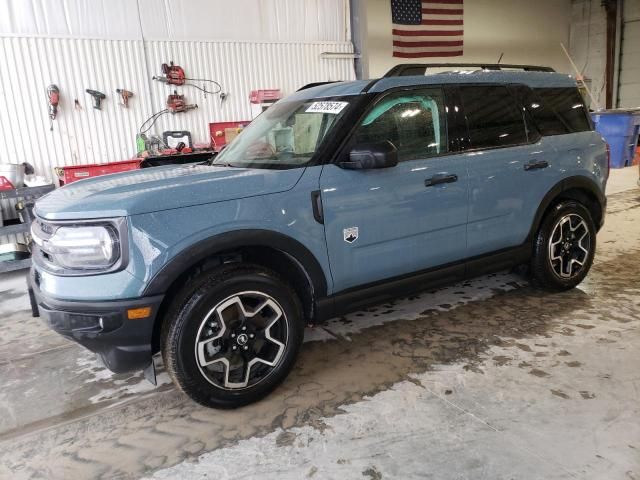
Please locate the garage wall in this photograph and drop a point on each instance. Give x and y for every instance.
(629, 80)
(588, 40)
(527, 32)
(109, 44)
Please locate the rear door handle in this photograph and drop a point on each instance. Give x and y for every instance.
(440, 178)
(536, 165)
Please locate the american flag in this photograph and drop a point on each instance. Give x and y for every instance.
(431, 28)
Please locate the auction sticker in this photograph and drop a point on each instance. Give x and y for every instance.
(326, 107)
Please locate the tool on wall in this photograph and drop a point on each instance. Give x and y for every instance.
(76, 105)
(175, 104)
(125, 95)
(174, 75)
(97, 98)
(53, 97)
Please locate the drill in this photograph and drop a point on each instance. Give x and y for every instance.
(125, 95)
(97, 98)
(53, 94)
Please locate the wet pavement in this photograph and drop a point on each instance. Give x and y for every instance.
(484, 379)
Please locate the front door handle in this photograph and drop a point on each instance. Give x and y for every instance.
(536, 165)
(440, 178)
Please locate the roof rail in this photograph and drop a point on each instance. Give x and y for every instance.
(421, 68)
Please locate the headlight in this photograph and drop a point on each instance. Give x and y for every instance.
(77, 247)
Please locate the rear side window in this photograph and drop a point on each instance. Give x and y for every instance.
(557, 111)
(414, 121)
(493, 118)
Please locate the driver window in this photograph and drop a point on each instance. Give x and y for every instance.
(414, 121)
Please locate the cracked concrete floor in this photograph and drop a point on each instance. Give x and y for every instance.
(488, 379)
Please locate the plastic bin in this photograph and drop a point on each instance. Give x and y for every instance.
(620, 128)
(78, 172)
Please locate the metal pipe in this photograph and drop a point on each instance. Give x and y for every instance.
(358, 30)
(617, 54)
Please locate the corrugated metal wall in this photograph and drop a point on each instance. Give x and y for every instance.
(239, 67)
(86, 135)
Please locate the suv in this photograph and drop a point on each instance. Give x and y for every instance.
(338, 196)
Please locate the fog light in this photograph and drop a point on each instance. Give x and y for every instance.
(138, 313)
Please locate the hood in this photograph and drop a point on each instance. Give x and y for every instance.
(160, 188)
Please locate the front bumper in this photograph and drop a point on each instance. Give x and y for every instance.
(103, 327)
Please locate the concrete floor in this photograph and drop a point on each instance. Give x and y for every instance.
(489, 379)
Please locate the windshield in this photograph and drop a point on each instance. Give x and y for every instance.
(287, 135)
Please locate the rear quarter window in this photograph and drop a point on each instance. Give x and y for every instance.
(557, 111)
(493, 116)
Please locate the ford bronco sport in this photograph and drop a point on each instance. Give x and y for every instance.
(339, 195)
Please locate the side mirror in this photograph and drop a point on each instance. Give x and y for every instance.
(366, 156)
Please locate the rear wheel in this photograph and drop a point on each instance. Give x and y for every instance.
(564, 247)
(232, 336)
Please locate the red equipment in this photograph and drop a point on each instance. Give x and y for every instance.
(72, 173)
(176, 103)
(53, 96)
(125, 95)
(223, 132)
(173, 74)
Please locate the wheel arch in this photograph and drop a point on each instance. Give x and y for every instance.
(286, 256)
(579, 188)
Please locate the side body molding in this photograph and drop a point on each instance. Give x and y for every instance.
(233, 241)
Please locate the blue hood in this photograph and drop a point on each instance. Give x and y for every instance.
(161, 188)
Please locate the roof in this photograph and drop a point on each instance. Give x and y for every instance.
(532, 79)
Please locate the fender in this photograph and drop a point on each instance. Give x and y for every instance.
(233, 240)
(569, 183)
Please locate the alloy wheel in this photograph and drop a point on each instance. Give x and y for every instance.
(241, 340)
(569, 245)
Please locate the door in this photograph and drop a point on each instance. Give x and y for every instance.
(387, 222)
(510, 168)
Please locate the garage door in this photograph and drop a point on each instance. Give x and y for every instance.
(629, 83)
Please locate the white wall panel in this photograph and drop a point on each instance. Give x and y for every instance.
(91, 136)
(629, 83)
(260, 20)
(79, 136)
(587, 44)
(239, 67)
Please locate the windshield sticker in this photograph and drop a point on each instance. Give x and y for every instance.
(326, 107)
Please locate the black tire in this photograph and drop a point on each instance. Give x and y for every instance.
(187, 317)
(545, 271)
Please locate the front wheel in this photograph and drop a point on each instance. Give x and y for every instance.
(232, 335)
(564, 247)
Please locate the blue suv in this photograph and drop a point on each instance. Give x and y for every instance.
(339, 195)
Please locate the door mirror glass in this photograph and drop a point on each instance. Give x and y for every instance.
(365, 156)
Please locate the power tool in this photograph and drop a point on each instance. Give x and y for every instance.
(176, 103)
(97, 98)
(125, 95)
(174, 75)
(53, 96)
